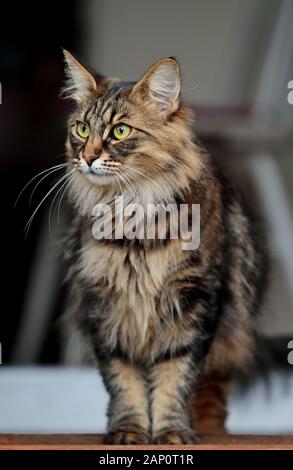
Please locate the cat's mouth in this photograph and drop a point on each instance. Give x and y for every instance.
(99, 172)
(98, 175)
(99, 179)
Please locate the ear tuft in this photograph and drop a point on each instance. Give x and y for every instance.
(78, 79)
(164, 85)
(161, 86)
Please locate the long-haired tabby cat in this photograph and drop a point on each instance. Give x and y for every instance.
(169, 327)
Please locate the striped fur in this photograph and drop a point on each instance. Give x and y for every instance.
(163, 323)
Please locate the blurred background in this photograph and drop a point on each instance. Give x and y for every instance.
(237, 60)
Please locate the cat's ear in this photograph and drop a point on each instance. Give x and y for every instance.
(160, 86)
(79, 80)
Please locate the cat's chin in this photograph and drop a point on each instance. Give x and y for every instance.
(99, 180)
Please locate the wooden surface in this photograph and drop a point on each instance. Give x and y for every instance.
(94, 442)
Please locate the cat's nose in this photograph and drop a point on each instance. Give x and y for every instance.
(90, 159)
(92, 151)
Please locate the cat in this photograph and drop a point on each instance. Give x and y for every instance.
(169, 328)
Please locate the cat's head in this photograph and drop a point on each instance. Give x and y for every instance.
(126, 134)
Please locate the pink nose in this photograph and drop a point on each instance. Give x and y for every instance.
(92, 151)
(90, 158)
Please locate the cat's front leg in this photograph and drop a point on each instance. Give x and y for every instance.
(128, 415)
(172, 383)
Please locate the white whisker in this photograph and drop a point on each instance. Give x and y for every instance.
(39, 182)
(28, 224)
(68, 174)
(57, 167)
(63, 193)
(143, 175)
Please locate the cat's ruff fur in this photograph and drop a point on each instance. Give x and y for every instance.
(169, 328)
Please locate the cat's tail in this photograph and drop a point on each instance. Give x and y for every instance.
(272, 354)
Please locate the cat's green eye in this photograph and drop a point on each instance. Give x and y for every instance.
(82, 129)
(121, 131)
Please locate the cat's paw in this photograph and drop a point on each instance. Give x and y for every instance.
(127, 436)
(176, 437)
